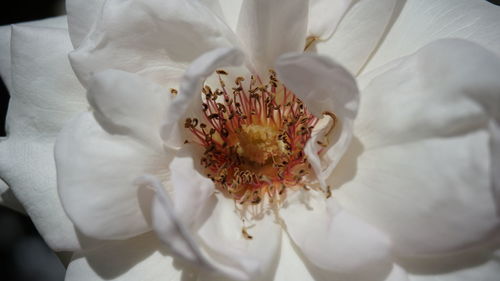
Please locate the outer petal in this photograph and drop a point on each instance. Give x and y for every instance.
(5, 66)
(359, 33)
(488, 271)
(270, 28)
(335, 241)
(141, 258)
(257, 257)
(194, 207)
(126, 104)
(95, 175)
(82, 15)
(325, 15)
(150, 37)
(323, 86)
(44, 95)
(417, 173)
(422, 22)
(189, 99)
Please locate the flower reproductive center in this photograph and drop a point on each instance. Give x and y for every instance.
(253, 135)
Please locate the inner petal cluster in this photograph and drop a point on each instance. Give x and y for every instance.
(253, 135)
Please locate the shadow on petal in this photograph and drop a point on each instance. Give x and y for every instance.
(467, 258)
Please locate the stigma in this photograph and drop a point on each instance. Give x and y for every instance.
(253, 136)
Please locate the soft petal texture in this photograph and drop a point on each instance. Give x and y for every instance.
(262, 25)
(230, 10)
(423, 21)
(325, 15)
(44, 95)
(334, 240)
(98, 195)
(360, 32)
(193, 223)
(82, 15)
(429, 164)
(488, 271)
(5, 66)
(256, 257)
(141, 258)
(454, 82)
(126, 104)
(155, 38)
(189, 99)
(323, 86)
(432, 196)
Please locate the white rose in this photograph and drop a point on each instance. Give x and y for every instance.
(412, 176)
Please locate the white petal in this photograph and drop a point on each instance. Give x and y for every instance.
(231, 11)
(335, 241)
(141, 258)
(325, 15)
(270, 28)
(44, 95)
(292, 266)
(126, 104)
(397, 274)
(323, 86)
(82, 15)
(360, 32)
(5, 66)
(432, 197)
(488, 271)
(448, 88)
(149, 37)
(189, 99)
(95, 175)
(423, 21)
(254, 258)
(194, 207)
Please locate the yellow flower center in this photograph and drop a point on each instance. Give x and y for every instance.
(253, 137)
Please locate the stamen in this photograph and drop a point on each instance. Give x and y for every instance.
(254, 135)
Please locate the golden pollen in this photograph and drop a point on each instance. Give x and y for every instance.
(259, 143)
(253, 135)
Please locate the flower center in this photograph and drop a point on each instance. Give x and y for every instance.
(253, 135)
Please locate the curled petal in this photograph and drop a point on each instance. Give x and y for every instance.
(189, 99)
(324, 87)
(176, 222)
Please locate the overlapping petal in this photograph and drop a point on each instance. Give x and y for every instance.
(426, 174)
(97, 194)
(44, 95)
(261, 27)
(82, 15)
(334, 240)
(422, 22)
(155, 38)
(189, 100)
(324, 87)
(358, 35)
(140, 258)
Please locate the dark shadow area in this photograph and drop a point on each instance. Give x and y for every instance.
(24, 256)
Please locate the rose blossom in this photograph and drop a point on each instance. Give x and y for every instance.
(416, 181)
